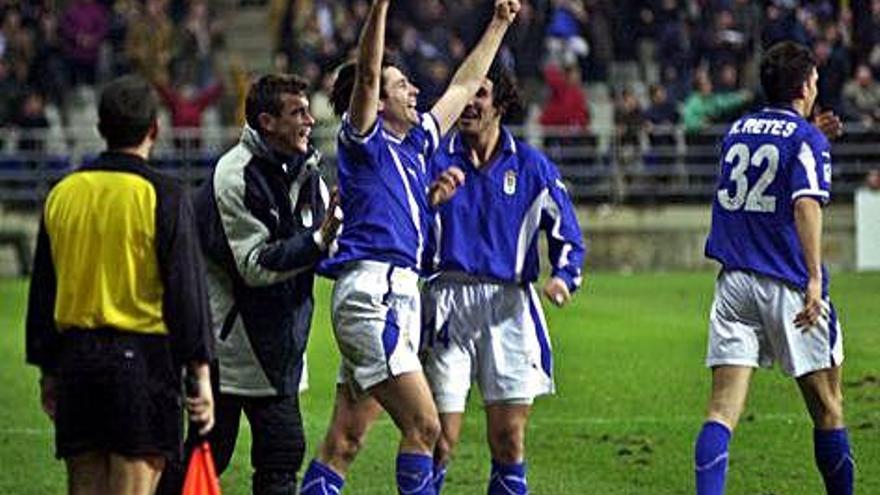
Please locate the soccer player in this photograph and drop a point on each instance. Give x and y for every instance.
(483, 319)
(384, 148)
(771, 296)
(118, 305)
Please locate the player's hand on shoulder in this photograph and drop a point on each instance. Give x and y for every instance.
(442, 189)
(556, 291)
(506, 10)
(828, 124)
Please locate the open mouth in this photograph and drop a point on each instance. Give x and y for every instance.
(470, 114)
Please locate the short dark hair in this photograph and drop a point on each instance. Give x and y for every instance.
(343, 86)
(264, 96)
(784, 69)
(126, 111)
(505, 94)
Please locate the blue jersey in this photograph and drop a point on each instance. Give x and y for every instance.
(382, 186)
(489, 229)
(768, 160)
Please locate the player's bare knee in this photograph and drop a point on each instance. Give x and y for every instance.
(507, 444)
(343, 447)
(423, 430)
(829, 413)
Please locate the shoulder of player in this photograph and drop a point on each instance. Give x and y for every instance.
(812, 135)
(532, 159)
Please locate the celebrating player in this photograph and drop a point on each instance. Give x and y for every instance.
(511, 191)
(384, 147)
(771, 297)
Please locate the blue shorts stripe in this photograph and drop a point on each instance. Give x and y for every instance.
(832, 333)
(541, 332)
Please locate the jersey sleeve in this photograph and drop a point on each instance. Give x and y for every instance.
(185, 293)
(358, 144)
(811, 172)
(564, 239)
(425, 137)
(42, 337)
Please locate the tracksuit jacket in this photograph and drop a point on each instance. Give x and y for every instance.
(258, 216)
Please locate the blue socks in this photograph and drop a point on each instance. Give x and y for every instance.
(439, 477)
(415, 474)
(834, 460)
(710, 458)
(319, 479)
(508, 479)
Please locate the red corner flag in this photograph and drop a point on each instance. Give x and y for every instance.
(201, 476)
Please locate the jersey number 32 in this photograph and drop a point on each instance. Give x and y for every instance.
(752, 198)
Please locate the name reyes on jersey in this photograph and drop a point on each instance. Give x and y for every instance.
(774, 127)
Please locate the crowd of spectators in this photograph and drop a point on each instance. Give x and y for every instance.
(690, 62)
(52, 56)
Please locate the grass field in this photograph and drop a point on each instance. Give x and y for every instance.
(631, 392)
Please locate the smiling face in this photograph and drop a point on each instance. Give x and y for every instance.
(480, 115)
(398, 100)
(289, 131)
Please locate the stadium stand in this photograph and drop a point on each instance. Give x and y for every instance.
(629, 144)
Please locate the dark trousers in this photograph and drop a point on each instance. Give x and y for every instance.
(277, 442)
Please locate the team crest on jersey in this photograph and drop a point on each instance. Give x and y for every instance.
(509, 182)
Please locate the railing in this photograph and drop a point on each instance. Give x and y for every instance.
(661, 166)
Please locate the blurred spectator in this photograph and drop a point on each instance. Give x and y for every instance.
(83, 28)
(11, 89)
(186, 102)
(149, 41)
(628, 125)
(704, 107)
(526, 38)
(728, 78)
(565, 42)
(32, 122)
(861, 97)
(660, 117)
(833, 67)
(567, 103)
(48, 72)
(319, 104)
(661, 112)
(868, 34)
(197, 37)
(16, 42)
(628, 118)
(122, 14)
(601, 42)
(872, 180)
(781, 23)
(727, 44)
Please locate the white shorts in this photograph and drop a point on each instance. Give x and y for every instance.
(488, 333)
(752, 324)
(377, 322)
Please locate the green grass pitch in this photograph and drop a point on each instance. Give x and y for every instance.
(631, 393)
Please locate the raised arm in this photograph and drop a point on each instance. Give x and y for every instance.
(470, 74)
(368, 73)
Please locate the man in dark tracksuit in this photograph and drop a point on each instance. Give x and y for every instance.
(117, 306)
(264, 226)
